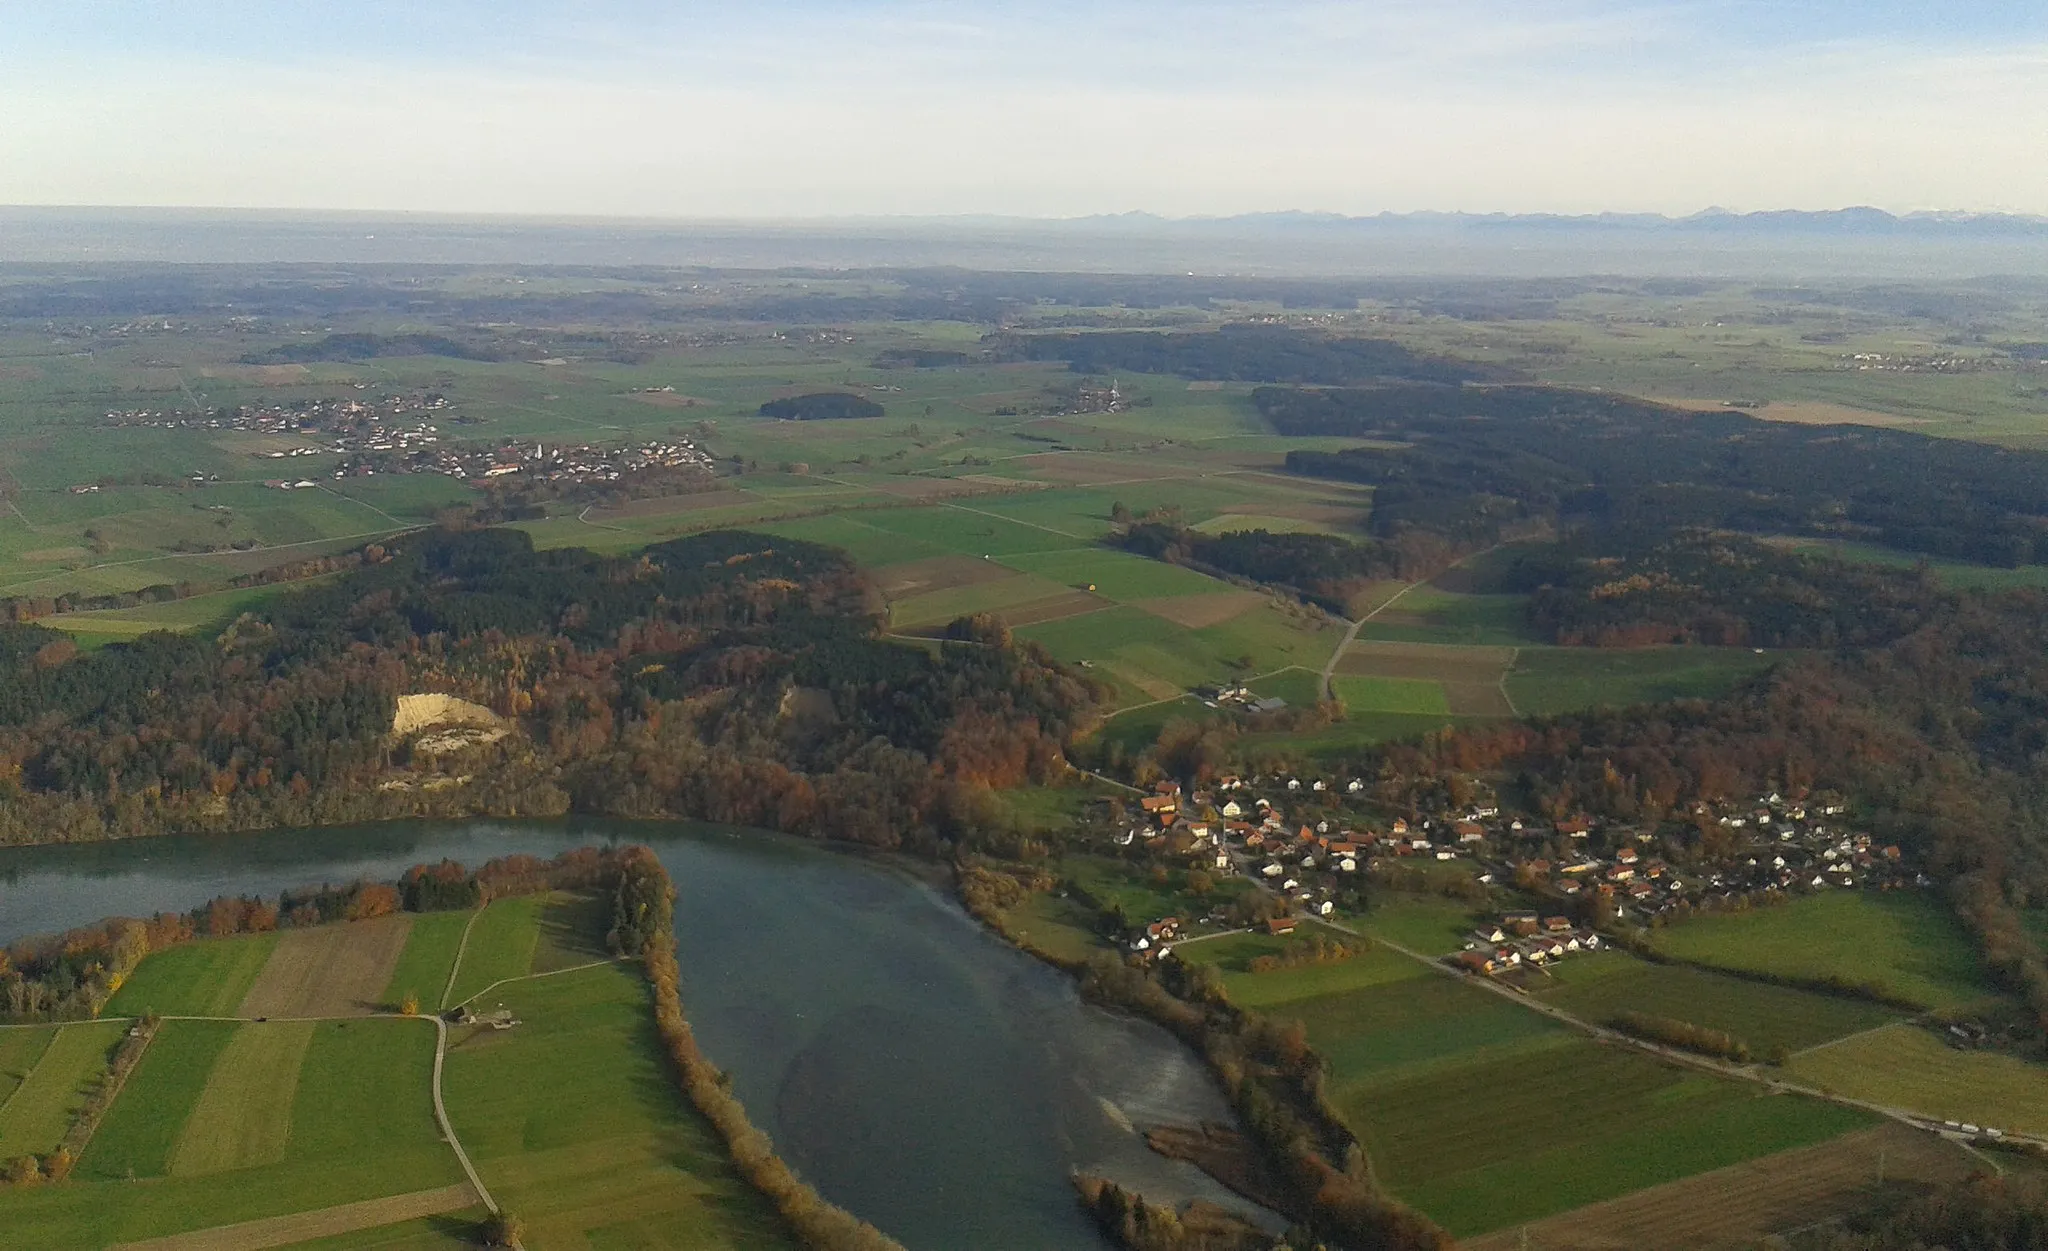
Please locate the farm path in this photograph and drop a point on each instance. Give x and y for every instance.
(982, 512)
(1775, 1084)
(447, 1130)
(1351, 636)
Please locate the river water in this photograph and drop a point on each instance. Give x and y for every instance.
(917, 1070)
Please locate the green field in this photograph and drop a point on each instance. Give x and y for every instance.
(576, 1123)
(1550, 680)
(1421, 923)
(1598, 985)
(35, 1116)
(502, 942)
(358, 1125)
(428, 958)
(1907, 944)
(1484, 1114)
(206, 977)
(1407, 696)
(20, 1048)
(1908, 1066)
(1429, 614)
(141, 1130)
(1063, 928)
(1559, 1123)
(236, 1122)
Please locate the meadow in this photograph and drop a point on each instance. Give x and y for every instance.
(206, 977)
(1907, 944)
(575, 1122)
(1770, 1018)
(1911, 1066)
(51, 1090)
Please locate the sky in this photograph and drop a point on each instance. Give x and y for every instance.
(802, 108)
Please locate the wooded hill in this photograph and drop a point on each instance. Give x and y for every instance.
(729, 676)
(1618, 462)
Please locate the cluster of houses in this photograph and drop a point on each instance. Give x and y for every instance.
(538, 462)
(336, 424)
(1725, 852)
(1523, 940)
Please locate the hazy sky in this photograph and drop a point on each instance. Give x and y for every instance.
(977, 106)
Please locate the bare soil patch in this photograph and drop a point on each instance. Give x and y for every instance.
(1741, 1204)
(1197, 611)
(1818, 413)
(668, 399)
(20, 373)
(1052, 608)
(938, 573)
(329, 970)
(1477, 699)
(285, 1231)
(261, 375)
(1436, 662)
(665, 505)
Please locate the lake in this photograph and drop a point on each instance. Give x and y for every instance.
(915, 1068)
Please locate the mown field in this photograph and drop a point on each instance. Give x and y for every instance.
(1771, 1019)
(1907, 944)
(576, 1123)
(1912, 1067)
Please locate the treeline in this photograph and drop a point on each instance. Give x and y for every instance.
(1682, 1034)
(1322, 567)
(644, 925)
(1471, 453)
(73, 975)
(727, 676)
(1234, 353)
(1275, 1081)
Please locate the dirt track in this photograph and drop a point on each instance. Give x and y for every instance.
(329, 970)
(284, 1231)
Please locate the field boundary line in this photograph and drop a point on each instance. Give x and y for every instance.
(529, 977)
(12, 1095)
(441, 1114)
(455, 966)
(1835, 1042)
(1514, 658)
(980, 512)
(291, 1230)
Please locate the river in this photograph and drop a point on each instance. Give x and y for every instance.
(918, 1070)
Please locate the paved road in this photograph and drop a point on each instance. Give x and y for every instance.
(1351, 636)
(441, 1115)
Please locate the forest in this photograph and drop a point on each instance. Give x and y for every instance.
(727, 676)
(1614, 461)
(821, 406)
(1235, 353)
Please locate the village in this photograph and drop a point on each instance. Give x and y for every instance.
(577, 463)
(1312, 848)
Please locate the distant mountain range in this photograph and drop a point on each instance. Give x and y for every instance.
(1844, 221)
